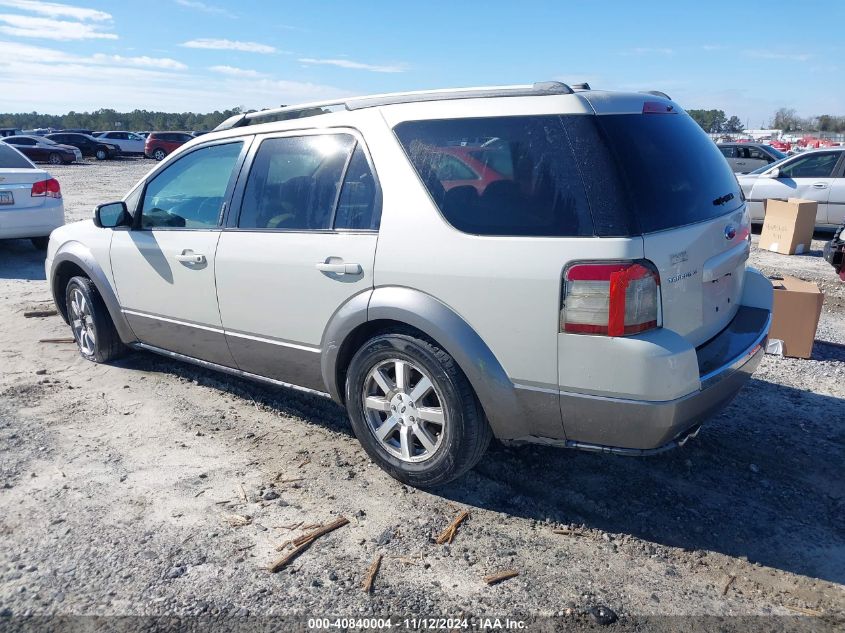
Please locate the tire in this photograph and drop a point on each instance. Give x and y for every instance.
(454, 445)
(54, 159)
(159, 154)
(101, 154)
(40, 243)
(95, 334)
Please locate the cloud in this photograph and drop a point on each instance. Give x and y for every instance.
(230, 45)
(205, 8)
(53, 81)
(164, 63)
(644, 50)
(55, 10)
(713, 47)
(50, 29)
(792, 57)
(232, 71)
(348, 63)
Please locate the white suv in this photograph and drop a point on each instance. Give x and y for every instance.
(532, 263)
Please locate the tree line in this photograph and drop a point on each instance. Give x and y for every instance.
(108, 119)
(785, 119)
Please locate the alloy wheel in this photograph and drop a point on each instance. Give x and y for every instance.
(404, 410)
(82, 322)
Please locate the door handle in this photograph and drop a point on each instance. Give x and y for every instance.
(819, 185)
(339, 268)
(190, 257)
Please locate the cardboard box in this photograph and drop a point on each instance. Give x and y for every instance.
(795, 315)
(788, 226)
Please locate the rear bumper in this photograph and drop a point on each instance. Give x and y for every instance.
(639, 427)
(32, 222)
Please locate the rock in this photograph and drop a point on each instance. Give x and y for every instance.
(332, 576)
(385, 537)
(176, 572)
(243, 612)
(282, 503)
(270, 495)
(603, 615)
(40, 372)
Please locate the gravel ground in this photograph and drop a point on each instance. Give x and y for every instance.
(154, 488)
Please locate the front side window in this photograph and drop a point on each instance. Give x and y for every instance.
(758, 154)
(189, 193)
(813, 166)
(728, 151)
(505, 175)
(294, 182)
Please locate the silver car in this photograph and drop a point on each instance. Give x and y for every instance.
(815, 175)
(746, 157)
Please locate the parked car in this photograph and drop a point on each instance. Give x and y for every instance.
(589, 298)
(160, 144)
(746, 157)
(41, 149)
(812, 175)
(128, 142)
(9, 131)
(143, 135)
(88, 145)
(30, 199)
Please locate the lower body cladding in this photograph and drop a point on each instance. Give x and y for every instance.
(637, 426)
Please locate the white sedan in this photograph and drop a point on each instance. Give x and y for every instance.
(816, 175)
(30, 199)
(128, 142)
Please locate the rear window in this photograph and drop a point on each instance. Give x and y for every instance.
(571, 175)
(12, 159)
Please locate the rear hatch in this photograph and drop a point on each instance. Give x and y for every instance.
(16, 188)
(684, 200)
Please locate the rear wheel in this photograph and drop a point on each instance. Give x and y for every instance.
(54, 159)
(101, 154)
(414, 411)
(40, 243)
(91, 323)
(159, 154)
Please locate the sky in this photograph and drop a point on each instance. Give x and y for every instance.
(747, 58)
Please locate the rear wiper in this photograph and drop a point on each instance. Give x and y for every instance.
(720, 201)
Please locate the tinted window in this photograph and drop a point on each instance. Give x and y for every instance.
(356, 206)
(20, 141)
(812, 166)
(189, 192)
(728, 151)
(11, 159)
(293, 183)
(525, 179)
(672, 171)
(758, 154)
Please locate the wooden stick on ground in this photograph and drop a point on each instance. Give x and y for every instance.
(567, 532)
(39, 313)
(371, 574)
(492, 579)
(57, 340)
(449, 533)
(728, 584)
(303, 542)
(810, 612)
(242, 493)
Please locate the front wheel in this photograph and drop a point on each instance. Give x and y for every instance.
(54, 159)
(91, 323)
(414, 411)
(102, 154)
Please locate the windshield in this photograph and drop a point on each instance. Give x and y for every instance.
(46, 141)
(12, 159)
(760, 170)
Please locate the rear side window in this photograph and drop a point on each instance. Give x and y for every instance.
(294, 182)
(12, 159)
(500, 175)
(356, 206)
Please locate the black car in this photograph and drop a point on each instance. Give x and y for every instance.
(88, 145)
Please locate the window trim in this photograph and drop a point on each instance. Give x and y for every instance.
(233, 213)
(227, 196)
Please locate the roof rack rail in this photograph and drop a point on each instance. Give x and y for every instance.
(657, 93)
(285, 113)
(581, 86)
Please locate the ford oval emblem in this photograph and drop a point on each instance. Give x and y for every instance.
(730, 232)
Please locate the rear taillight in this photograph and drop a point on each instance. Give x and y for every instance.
(611, 299)
(49, 188)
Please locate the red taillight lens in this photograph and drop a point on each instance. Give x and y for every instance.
(612, 299)
(658, 107)
(49, 188)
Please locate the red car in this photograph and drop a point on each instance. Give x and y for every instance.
(160, 144)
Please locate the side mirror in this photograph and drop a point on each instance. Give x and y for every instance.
(775, 173)
(112, 215)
